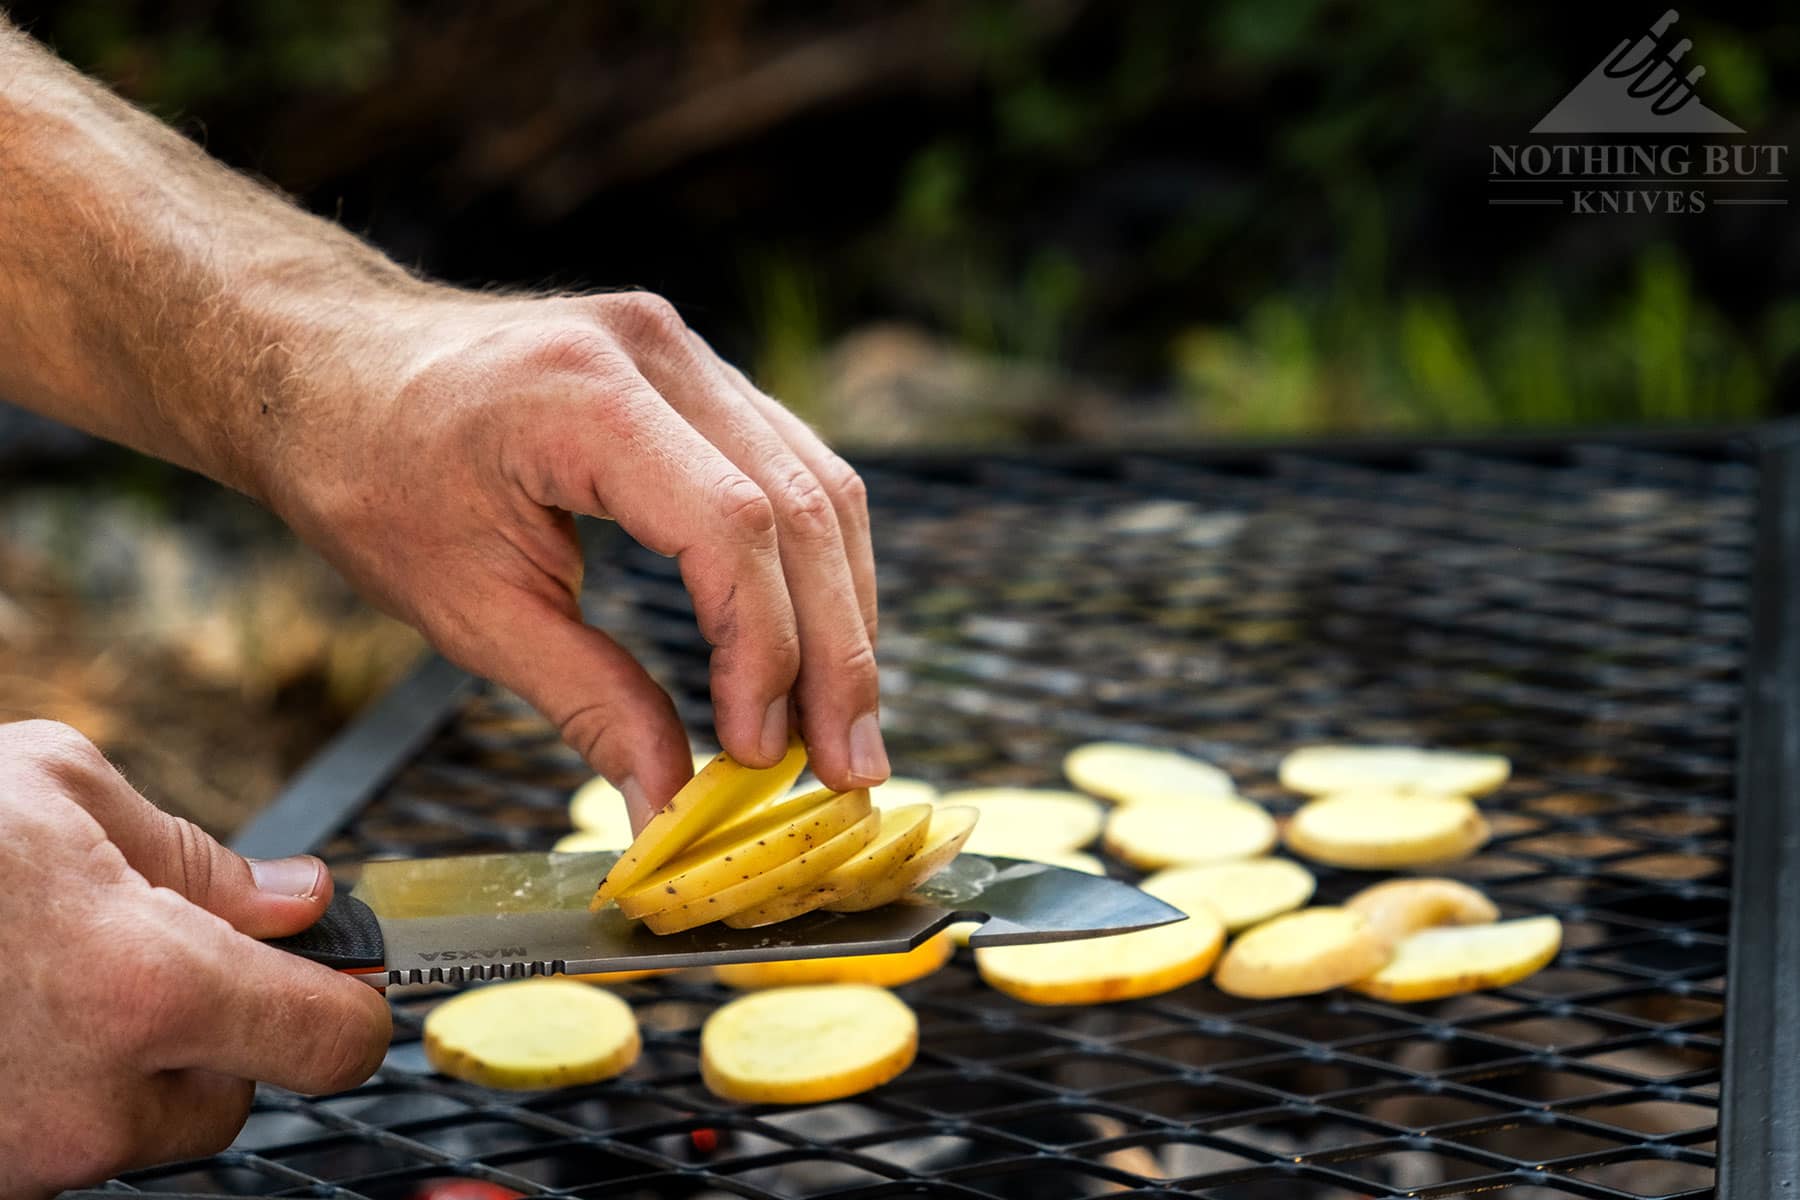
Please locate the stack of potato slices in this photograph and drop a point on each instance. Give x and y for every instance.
(735, 845)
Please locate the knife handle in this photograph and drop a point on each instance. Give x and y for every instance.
(346, 938)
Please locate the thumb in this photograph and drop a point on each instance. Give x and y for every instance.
(263, 899)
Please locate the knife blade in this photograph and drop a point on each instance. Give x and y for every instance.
(509, 916)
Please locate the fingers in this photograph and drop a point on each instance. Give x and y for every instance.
(641, 463)
(606, 705)
(265, 899)
(848, 495)
(250, 1011)
(838, 690)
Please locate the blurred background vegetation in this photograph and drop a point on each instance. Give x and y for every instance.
(1053, 218)
(915, 221)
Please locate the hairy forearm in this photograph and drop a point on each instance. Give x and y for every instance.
(152, 296)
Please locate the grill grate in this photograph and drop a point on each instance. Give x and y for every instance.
(1584, 610)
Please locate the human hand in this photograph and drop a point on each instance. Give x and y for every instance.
(141, 1008)
(437, 463)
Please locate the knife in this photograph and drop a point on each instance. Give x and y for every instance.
(509, 916)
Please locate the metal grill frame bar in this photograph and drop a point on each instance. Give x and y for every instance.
(1759, 1104)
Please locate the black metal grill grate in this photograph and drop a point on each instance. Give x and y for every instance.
(1583, 610)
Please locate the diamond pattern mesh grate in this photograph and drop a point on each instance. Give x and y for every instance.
(1584, 611)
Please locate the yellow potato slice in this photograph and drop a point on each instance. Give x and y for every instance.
(1323, 770)
(583, 841)
(1151, 836)
(749, 849)
(535, 1033)
(796, 874)
(1128, 774)
(710, 799)
(879, 970)
(1435, 963)
(901, 836)
(1299, 953)
(1398, 908)
(1387, 829)
(1242, 893)
(1122, 967)
(1074, 860)
(806, 1045)
(599, 807)
(899, 791)
(1028, 822)
(944, 838)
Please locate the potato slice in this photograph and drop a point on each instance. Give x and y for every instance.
(1028, 822)
(599, 807)
(796, 874)
(1152, 836)
(944, 838)
(1398, 908)
(1385, 829)
(1128, 774)
(752, 848)
(880, 970)
(1435, 963)
(1299, 953)
(1122, 967)
(584, 841)
(1074, 860)
(1242, 893)
(900, 837)
(898, 791)
(710, 799)
(1323, 770)
(534, 1033)
(806, 1045)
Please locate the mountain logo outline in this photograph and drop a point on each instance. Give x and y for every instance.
(1638, 88)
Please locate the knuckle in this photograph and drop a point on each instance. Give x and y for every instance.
(586, 728)
(351, 1048)
(842, 481)
(859, 664)
(647, 318)
(576, 350)
(744, 510)
(803, 505)
(60, 749)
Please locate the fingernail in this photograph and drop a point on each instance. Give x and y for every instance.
(774, 730)
(301, 876)
(868, 755)
(637, 805)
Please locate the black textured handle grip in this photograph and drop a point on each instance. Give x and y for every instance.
(346, 938)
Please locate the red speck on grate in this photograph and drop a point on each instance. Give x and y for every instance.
(705, 1140)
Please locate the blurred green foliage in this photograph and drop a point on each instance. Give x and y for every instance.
(1270, 214)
